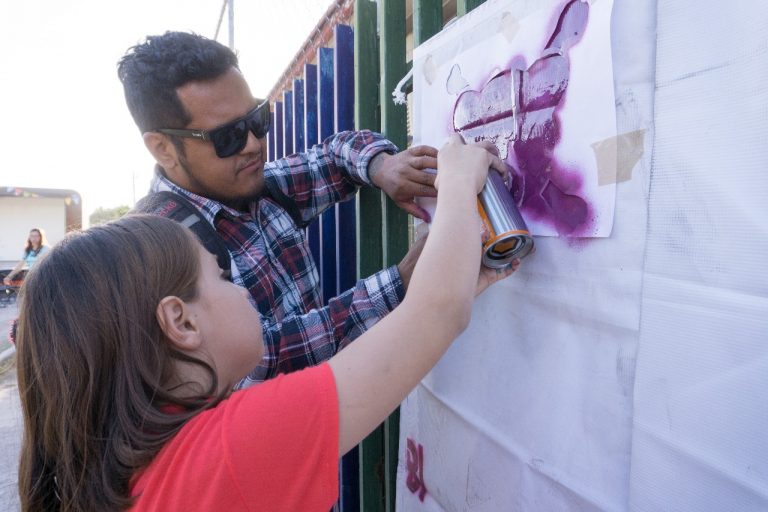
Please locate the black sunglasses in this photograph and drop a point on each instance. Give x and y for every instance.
(229, 139)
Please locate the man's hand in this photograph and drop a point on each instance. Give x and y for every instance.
(406, 265)
(403, 177)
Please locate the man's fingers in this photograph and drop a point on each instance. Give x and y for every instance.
(412, 189)
(424, 162)
(422, 178)
(423, 150)
(415, 210)
(415, 184)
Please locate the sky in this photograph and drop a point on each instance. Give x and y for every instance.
(63, 119)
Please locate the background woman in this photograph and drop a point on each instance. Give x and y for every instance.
(36, 247)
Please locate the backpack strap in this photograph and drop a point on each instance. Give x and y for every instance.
(174, 206)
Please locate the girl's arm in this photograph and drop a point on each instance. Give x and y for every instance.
(374, 374)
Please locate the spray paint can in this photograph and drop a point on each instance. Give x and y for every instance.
(509, 236)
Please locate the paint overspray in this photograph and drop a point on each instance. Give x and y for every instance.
(516, 110)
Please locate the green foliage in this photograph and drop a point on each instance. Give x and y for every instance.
(102, 215)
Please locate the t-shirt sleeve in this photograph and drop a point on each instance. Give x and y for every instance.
(285, 434)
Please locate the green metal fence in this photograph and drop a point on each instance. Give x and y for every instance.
(382, 227)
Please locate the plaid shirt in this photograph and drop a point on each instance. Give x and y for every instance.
(271, 257)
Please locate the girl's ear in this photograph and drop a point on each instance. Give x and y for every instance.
(162, 149)
(178, 324)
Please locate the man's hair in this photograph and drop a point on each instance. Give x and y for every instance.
(153, 70)
(96, 374)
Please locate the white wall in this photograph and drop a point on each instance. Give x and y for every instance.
(20, 214)
(628, 373)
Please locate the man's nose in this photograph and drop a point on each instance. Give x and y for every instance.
(253, 145)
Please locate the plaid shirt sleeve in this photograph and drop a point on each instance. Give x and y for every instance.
(327, 173)
(307, 340)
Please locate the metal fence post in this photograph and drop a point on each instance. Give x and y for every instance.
(288, 122)
(369, 225)
(279, 152)
(325, 118)
(298, 116)
(310, 139)
(271, 137)
(427, 19)
(393, 123)
(464, 6)
(344, 101)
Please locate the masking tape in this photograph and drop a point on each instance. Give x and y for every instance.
(429, 69)
(508, 25)
(617, 156)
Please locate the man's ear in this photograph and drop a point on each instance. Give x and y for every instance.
(178, 324)
(162, 149)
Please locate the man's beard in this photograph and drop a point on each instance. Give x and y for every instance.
(240, 203)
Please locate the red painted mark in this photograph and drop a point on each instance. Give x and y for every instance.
(414, 464)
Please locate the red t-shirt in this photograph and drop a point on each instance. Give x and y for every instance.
(273, 447)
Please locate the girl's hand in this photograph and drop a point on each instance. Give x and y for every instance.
(457, 161)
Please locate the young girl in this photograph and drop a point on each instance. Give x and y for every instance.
(130, 340)
(36, 246)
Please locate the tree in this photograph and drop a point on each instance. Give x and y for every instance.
(101, 215)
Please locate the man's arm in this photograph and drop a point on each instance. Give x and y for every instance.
(300, 341)
(306, 340)
(325, 174)
(333, 171)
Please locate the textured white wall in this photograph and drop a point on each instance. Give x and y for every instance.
(700, 426)
(628, 373)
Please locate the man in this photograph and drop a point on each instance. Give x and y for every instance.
(207, 134)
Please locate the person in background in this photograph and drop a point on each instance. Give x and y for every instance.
(36, 247)
(131, 405)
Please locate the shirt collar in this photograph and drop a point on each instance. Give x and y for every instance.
(209, 207)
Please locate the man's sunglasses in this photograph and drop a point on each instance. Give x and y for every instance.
(229, 139)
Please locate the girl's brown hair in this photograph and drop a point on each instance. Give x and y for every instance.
(95, 372)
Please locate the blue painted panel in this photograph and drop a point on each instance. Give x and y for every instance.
(310, 139)
(344, 106)
(344, 74)
(279, 151)
(325, 121)
(271, 137)
(298, 116)
(344, 95)
(288, 122)
(310, 105)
